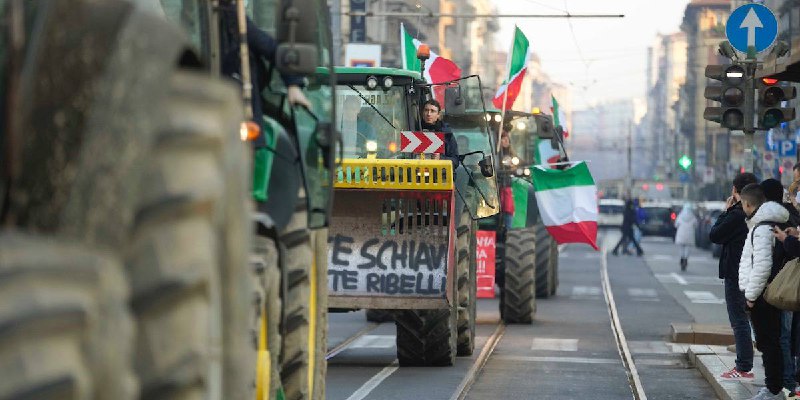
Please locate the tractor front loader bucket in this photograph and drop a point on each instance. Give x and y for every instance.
(392, 233)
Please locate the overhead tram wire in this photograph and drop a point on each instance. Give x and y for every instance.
(473, 16)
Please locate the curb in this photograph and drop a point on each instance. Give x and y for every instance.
(711, 365)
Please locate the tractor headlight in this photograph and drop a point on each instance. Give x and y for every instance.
(388, 82)
(515, 160)
(372, 83)
(372, 146)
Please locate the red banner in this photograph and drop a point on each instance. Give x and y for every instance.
(485, 258)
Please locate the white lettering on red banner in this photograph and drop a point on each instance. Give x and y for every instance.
(422, 142)
(485, 260)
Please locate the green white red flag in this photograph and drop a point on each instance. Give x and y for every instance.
(558, 116)
(437, 69)
(567, 201)
(517, 66)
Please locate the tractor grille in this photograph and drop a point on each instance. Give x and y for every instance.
(395, 174)
(421, 215)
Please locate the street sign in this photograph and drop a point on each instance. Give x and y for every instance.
(751, 25)
(422, 142)
(788, 148)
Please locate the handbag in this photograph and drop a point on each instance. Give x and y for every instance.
(784, 290)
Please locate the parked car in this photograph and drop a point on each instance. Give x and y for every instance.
(707, 214)
(659, 220)
(610, 212)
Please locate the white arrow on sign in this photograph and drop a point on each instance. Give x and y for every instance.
(413, 142)
(436, 143)
(751, 22)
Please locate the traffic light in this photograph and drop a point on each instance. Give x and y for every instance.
(771, 93)
(685, 162)
(731, 95)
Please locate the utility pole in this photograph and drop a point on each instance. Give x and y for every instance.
(336, 27)
(630, 159)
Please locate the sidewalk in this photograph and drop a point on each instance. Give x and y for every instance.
(712, 361)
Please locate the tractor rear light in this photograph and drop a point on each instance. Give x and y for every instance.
(249, 131)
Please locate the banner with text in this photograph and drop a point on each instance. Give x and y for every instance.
(486, 267)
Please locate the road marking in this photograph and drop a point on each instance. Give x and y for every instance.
(661, 257)
(585, 292)
(689, 279)
(553, 344)
(678, 278)
(650, 347)
(571, 360)
(347, 342)
(639, 294)
(703, 297)
(374, 342)
(373, 382)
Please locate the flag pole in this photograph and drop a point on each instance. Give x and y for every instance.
(505, 95)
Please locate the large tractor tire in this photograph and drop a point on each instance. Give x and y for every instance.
(553, 268)
(544, 271)
(167, 200)
(518, 294)
(188, 253)
(320, 287)
(67, 332)
(267, 317)
(379, 315)
(304, 293)
(430, 337)
(427, 337)
(466, 268)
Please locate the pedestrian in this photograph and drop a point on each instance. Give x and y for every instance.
(730, 231)
(761, 260)
(685, 225)
(794, 188)
(628, 222)
(431, 121)
(773, 191)
(641, 217)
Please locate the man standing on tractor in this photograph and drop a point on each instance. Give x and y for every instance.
(431, 121)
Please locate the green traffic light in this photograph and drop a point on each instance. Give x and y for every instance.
(685, 162)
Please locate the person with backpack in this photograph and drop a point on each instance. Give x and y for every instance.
(730, 231)
(761, 261)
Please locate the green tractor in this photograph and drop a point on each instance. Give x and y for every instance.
(526, 257)
(129, 202)
(402, 234)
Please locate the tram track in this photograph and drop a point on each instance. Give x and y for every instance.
(347, 342)
(634, 381)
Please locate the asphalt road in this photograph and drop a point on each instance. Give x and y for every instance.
(569, 351)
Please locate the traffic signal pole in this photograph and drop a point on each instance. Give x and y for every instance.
(751, 64)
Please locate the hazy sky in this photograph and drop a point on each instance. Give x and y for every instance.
(614, 49)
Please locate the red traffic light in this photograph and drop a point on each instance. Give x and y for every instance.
(645, 187)
(672, 216)
(769, 81)
(659, 186)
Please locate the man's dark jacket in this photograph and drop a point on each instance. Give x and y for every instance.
(629, 220)
(450, 143)
(730, 231)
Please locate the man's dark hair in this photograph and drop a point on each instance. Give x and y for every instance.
(773, 190)
(796, 167)
(742, 180)
(434, 103)
(753, 194)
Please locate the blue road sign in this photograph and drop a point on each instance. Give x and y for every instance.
(751, 25)
(788, 148)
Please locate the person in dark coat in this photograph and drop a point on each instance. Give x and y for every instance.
(431, 121)
(628, 222)
(261, 46)
(730, 231)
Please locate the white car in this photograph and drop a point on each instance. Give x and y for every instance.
(610, 212)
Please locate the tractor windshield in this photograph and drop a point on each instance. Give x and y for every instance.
(370, 120)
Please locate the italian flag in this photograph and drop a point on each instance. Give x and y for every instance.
(558, 116)
(517, 66)
(437, 69)
(567, 202)
(544, 153)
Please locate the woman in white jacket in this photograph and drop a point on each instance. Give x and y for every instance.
(684, 234)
